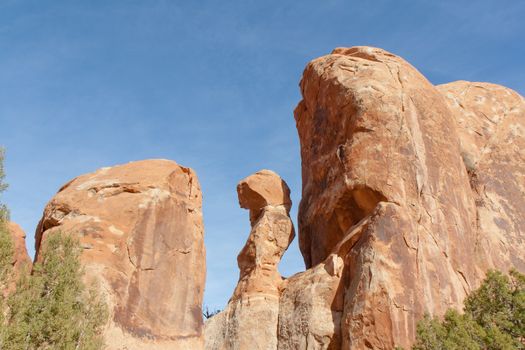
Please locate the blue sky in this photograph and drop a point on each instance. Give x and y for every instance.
(210, 84)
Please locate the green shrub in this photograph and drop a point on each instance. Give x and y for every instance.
(52, 309)
(493, 318)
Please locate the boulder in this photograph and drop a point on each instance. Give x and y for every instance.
(250, 319)
(141, 230)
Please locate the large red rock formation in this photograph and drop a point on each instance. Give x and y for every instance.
(140, 227)
(251, 316)
(410, 193)
(426, 183)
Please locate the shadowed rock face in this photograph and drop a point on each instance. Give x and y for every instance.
(426, 184)
(140, 225)
(250, 319)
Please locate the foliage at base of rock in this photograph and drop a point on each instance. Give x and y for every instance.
(51, 308)
(494, 319)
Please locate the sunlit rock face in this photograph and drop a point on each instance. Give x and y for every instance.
(250, 320)
(141, 230)
(425, 183)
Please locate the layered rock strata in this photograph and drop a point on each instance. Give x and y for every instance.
(140, 227)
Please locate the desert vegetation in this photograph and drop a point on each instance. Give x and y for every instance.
(493, 318)
(48, 307)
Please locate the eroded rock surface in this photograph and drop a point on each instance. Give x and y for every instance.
(250, 319)
(426, 184)
(491, 127)
(140, 227)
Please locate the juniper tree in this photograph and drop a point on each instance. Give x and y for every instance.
(52, 308)
(493, 318)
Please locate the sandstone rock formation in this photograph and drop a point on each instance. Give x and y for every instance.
(21, 259)
(410, 193)
(140, 227)
(250, 319)
(428, 188)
